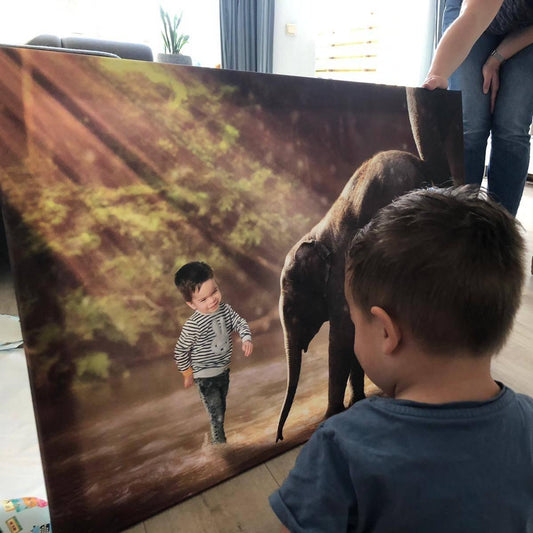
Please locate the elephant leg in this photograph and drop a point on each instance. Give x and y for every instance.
(341, 355)
(437, 125)
(357, 381)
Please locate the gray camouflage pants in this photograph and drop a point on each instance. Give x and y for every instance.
(213, 392)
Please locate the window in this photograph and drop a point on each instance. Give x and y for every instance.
(376, 41)
(117, 20)
(348, 49)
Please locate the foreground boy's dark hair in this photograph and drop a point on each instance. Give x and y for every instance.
(446, 264)
(190, 277)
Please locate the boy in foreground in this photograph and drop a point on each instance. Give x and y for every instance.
(203, 350)
(433, 284)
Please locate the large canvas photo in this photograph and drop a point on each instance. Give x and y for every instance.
(114, 174)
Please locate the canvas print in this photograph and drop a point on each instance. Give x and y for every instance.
(115, 174)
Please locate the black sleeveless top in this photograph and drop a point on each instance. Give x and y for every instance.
(513, 15)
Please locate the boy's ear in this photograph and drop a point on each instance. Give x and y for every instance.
(191, 305)
(392, 332)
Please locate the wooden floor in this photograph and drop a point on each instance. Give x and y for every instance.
(240, 504)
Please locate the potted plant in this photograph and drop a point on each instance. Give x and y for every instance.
(173, 40)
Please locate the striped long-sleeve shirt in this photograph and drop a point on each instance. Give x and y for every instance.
(205, 343)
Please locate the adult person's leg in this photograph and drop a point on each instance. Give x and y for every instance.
(468, 78)
(477, 118)
(509, 158)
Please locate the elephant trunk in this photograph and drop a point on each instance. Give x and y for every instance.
(294, 364)
(302, 309)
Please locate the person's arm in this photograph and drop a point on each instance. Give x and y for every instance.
(318, 493)
(240, 325)
(182, 353)
(515, 41)
(247, 348)
(188, 378)
(511, 44)
(457, 41)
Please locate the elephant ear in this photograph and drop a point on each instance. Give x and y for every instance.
(309, 266)
(303, 292)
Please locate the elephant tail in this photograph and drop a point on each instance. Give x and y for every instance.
(294, 364)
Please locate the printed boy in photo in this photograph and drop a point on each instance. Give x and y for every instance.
(203, 351)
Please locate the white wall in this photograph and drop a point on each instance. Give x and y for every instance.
(294, 54)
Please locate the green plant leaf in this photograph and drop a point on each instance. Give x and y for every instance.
(172, 39)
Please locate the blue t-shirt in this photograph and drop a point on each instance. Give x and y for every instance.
(398, 466)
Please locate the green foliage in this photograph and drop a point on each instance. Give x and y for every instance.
(57, 212)
(49, 333)
(83, 316)
(94, 365)
(82, 243)
(172, 39)
(146, 84)
(188, 175)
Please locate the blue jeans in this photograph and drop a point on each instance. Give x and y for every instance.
(213, 392)
(508, 125)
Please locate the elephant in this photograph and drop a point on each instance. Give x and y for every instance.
(312, 278)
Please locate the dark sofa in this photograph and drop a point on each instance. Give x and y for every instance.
(120, 49)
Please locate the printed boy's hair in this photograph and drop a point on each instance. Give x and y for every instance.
(190, 277)
(445, 263)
